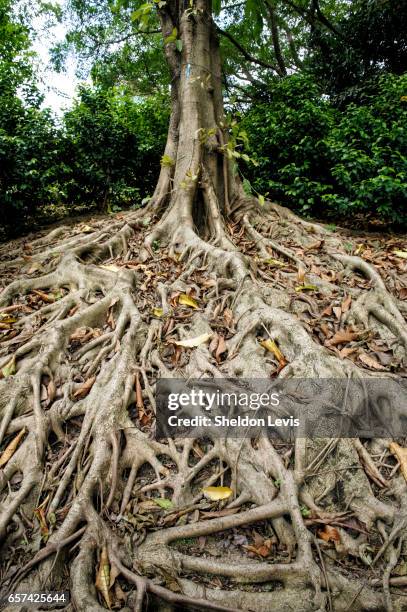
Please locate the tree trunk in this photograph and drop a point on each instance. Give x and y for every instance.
(196, 186)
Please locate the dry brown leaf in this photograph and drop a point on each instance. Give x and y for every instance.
(401, 454)
(346, 303)
(329, 534)
(139, 397)
(315, 245)
(343, 336)
(337, 310)
(345, 352)
(228, 317)
(214, 343)
(39, 513)
(84, 388)
(301, 274)
(79, 334)
(221, 349)
(11, 448)
(51, 390)
(327, 312)
(371, 362)
(103, 577)
(46, 297)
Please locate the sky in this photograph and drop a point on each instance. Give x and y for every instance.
(58, 88)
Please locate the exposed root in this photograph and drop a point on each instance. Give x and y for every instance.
(88, 474)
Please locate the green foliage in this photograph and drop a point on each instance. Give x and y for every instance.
(111, 147)
(28, 138)
(372, 42)
(327, 162)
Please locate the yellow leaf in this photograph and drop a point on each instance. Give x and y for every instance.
(306, 288)
(158, 312)
(11, 448)
(402, 254)
(187, 300)
(86, 229)
(193, 342)
(103, 577)
(7, 320)
(275, 262)
(217, 493)
(9, 369)
(271, 346)
(401, 454)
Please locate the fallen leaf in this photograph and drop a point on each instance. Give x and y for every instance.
(85, 388)
(79, 334)
(39, 513)
(86, 229)
(163, 503)
(306, 288)
(7, 319)
(346, 303)
(315, 245)
(402, 254)
(301, 274)
(337, 310)
(345, 352)
(401, 454)
(139, 397)
(217, 493)
(275, 262)
(343, 336)
(51, 391)
(193, 342)
(111, 268)
(46, 297)
(228, 317)
(9, 369)
(329, 534)
(221, 349)
(158, 312)
(271, 346)
(103, 577)
(187, 300)
(11, 448)
(35, 267)
(370, 362)
(327, 312)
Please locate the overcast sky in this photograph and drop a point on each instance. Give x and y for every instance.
(58, 88)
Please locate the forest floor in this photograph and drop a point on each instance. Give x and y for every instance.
(90, 502)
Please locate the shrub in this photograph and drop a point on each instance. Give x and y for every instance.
(321, 161)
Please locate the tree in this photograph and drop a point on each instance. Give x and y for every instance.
(79, 392)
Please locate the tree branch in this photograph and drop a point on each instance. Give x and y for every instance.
(246, 54)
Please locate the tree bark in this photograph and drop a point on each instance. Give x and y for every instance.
(196, 184)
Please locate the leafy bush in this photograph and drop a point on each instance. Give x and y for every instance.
(111, 147)
(322, 161)
(28, 138)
